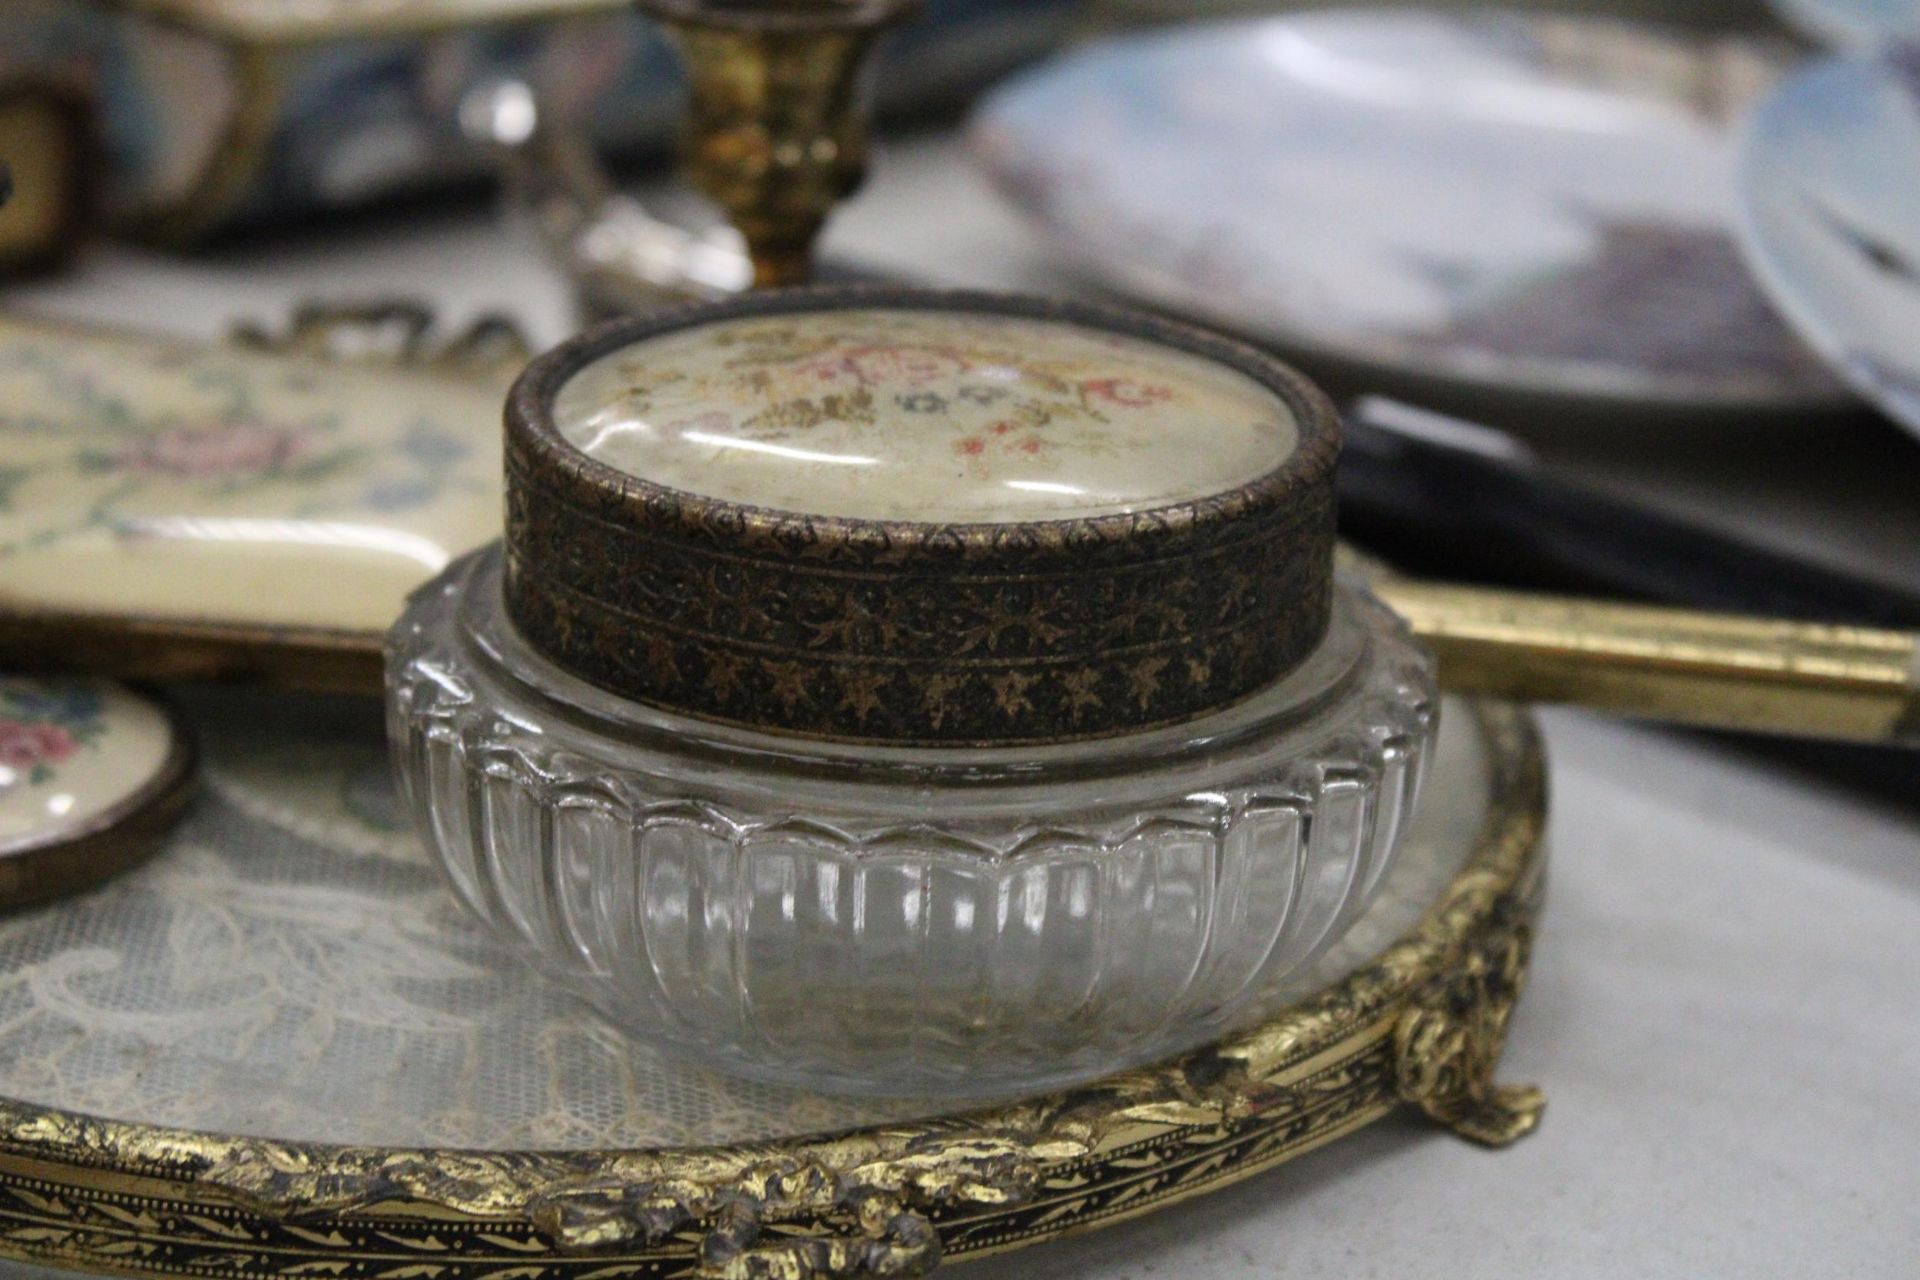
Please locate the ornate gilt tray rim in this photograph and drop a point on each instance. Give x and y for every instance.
(1421, 1024)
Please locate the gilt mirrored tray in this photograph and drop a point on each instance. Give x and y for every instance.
(182, 1051)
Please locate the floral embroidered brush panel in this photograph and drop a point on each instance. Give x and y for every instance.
(150, 478)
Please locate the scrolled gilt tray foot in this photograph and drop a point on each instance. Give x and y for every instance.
(313, 1068)
(1447, 1043)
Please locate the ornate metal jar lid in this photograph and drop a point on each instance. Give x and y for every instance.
(919, 517)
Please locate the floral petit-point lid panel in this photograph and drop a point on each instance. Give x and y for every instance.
(144, 477)
(72, 754)
(894, 414)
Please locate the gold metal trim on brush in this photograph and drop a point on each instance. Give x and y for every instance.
(1715, 670)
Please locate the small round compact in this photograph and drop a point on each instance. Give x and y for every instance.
(92, 775)
(913, 692)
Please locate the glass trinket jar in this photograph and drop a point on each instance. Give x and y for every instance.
(913, 692)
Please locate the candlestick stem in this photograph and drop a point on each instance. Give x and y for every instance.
(778, 117)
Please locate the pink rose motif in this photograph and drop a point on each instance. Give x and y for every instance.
(1126, 392)
(824, 370)
(25, 746)
(238, 450)
(902, 365)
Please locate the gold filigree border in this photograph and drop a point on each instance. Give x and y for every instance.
(1421, 1024)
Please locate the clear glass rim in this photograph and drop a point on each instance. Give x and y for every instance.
(496, 653)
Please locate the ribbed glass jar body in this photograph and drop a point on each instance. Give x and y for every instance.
(901, 920)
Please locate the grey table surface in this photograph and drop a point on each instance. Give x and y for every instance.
(1725, 1007)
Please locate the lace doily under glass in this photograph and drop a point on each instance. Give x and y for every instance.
(290, 965)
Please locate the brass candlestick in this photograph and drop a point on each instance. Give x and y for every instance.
(778, 118)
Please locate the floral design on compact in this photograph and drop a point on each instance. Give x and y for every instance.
(901, 414)
(42, 726)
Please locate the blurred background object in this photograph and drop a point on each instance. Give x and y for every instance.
(49, 144)
(1694, 13)
(221, 114)
(615, 252)
(1469, 209)
(1853, 23)
(1441, 496)
(1830, 204)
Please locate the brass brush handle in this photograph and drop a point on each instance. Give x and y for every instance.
(1676, 665)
